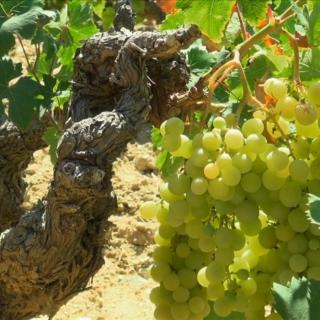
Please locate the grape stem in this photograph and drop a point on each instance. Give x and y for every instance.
(244, 32)
(223, 72)
(216, 77)
(283, 135)
(274, 26)
(295, 48)
(30, 68)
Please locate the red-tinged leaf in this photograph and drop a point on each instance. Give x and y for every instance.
(269, 41)
(212, 16)
(262, 23)
(253, 11)
(278, 51)
(270, 15)
(168, 6)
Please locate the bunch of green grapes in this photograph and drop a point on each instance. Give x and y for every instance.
(233, 218)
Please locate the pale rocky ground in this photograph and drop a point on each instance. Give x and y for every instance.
(120, 289)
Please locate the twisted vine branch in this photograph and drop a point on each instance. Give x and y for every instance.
(51, 253)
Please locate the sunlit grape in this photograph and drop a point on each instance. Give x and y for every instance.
(211, 140)
(219, 123)
(286, 107)
(256, 143)
(252, 126)
(305, 113)
(275, 88)
(298, 263)
(211, 171)
(234, 139)
(242, 161)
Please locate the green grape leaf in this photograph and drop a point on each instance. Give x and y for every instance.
(18, 7)
(161, 159)
(26, 23)
(314, 208)
(7, 42)
(98, 7)
(280, 62)
(170, 164)
(310, 64)
(62, 97)
(258, 66)
(310, 4)
(198, 116)
(24, 101)
(282, 5)
(302, 15)
(8, 71)
(254, 11)
(47, 60)
(314, 29)
(156, 137)
(23, 18)
(173, 21)
(292, 302)
(139, 10)
(48, 91)
(201, 61)
(81, 23)
(65, 73)
(314, 289)
(211, 16)
(298, 301)
(51, 137)
(167, 164)
(75, 25)
(183, 4)
(108, 17)
(232, 31)
(27, 98)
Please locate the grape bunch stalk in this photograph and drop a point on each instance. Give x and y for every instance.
(234, 217)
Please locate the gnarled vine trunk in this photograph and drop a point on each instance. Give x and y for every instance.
(49, 254)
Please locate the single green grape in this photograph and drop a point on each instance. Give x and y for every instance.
(275, 88)
(174, 126)
(252, 125)
(234, 139)
(306, 113)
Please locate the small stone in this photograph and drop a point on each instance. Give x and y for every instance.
(144, 163)
(135, 187)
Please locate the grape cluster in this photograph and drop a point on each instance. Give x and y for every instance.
(233, 218)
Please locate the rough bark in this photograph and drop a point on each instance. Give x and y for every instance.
(124, 17)
(54, 250)
(16, 149)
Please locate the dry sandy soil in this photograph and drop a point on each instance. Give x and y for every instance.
(120, 290)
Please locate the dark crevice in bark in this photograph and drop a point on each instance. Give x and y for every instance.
(53, 251)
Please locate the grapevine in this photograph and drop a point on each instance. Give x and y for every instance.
(234, 217)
